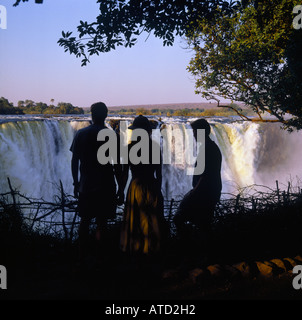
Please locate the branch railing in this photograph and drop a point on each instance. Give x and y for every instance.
(60, 216)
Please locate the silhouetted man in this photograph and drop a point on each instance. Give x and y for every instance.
(96, 188)
(199, 203)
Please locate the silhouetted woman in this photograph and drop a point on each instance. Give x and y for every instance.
(143, 217)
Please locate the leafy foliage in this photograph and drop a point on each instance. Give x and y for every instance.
(120, 22)
(18, 1)
(245, 50)
(31, 107)
(252, 56)
(7, 108)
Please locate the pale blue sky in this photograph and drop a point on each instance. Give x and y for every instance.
(33, 66)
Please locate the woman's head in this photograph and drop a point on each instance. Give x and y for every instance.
(141, 122)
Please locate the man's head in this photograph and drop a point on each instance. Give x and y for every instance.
(201, 124)
(99, 112)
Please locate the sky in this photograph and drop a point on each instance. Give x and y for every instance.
(33, 66)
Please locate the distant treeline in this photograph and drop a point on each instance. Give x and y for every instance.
(186, 112)
(31, 107)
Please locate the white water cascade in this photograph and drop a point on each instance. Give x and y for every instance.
(34, 154)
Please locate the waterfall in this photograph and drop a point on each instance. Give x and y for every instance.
(176, 181)
(34, 154)
(239, 147)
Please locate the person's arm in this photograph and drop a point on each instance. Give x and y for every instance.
(121, 173)
(159, 176)
(199, 183)
(158, 172)
(75, 164)
(75, 174)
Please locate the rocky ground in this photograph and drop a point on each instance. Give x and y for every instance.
(56, 275)
(246, 257)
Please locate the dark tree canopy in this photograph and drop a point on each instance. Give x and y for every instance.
(257, 61)
(119, 23)
(240, 59)
(7, 107)
(18, 1)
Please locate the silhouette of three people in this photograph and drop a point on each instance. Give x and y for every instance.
(144, 228)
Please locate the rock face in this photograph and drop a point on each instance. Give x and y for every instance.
(248, 270)
(279, 263)
(265, 269)
(244, 268)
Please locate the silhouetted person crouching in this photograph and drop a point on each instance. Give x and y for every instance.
(199, 203)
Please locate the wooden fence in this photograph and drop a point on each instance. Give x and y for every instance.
(60, 216)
